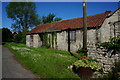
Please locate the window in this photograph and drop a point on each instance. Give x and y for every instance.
(72, 36)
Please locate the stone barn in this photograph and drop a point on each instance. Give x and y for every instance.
(68, 34)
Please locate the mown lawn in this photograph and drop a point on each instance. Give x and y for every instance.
(46, 63)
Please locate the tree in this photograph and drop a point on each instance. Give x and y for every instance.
(20, 37)
(23, 14)
(50, 18)
(57, 19)
(6, 35)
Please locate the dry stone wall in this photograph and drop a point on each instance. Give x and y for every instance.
(105, 59)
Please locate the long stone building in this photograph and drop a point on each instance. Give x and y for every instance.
(68, 34)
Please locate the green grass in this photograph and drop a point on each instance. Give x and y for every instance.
(46, 63)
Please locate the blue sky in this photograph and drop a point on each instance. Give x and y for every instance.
(65, 10)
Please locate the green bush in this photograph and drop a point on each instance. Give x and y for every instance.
(82, 51)
(82, 54)
(86, 62)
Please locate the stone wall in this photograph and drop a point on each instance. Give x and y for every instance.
(28, 40)
(36, 40)
(33, 40)
(106, 31)
(108, 28)
(105, 59)
(62, 41)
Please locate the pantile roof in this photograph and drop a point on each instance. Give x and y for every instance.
(92, 21)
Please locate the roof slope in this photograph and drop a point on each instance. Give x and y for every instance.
(92, 21)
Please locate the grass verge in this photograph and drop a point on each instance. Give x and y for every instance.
(46, 63)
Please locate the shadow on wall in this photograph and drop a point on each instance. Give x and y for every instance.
(69, 42)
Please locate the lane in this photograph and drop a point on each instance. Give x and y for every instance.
(11, 68)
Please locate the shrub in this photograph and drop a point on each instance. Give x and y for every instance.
(87, 62)
(113, 44)
(82, 51)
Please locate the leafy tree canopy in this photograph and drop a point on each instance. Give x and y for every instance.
(50, 18)
(23, 14)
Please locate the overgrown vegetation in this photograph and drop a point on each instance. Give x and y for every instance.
(54, 39)
(82, 52)
(46, 63)
(113, 44)
(46, 40)
(49, 41)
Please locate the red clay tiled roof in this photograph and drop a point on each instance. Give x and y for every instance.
(92, 21)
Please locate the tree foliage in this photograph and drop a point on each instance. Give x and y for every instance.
(6, 35)
(23, 14)
(20, 37)
(50, 18)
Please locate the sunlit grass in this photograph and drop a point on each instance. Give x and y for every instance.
(46, 63)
